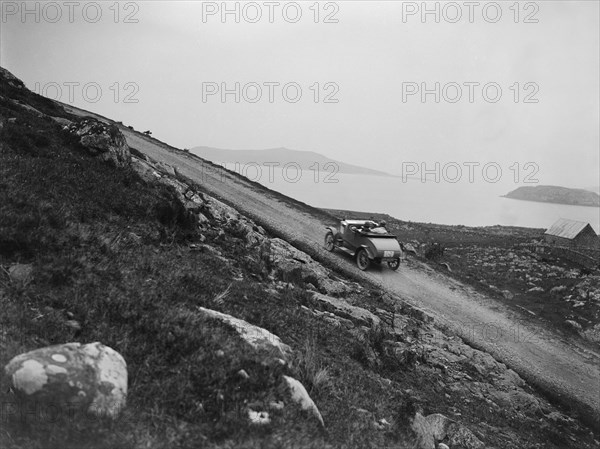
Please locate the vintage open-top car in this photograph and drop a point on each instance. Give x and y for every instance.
(365, 240)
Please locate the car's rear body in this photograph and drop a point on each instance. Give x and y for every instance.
(353, 235)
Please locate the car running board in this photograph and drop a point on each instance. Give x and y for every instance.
(346, 250)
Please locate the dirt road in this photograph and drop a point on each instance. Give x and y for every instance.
(567, 371)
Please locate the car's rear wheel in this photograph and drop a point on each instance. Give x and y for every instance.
(329, 244)
(362, 259)
(394, 264)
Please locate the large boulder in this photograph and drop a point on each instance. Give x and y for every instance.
(90, 377)
(102, 140)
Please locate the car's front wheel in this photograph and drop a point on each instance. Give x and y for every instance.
(329, 244)
(394, 264)
(362, 259)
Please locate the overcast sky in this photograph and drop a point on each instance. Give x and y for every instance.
(374, 55)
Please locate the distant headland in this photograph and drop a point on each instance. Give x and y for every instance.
(556, 194)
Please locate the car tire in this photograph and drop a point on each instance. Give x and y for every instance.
(394, 264)
(362, 259)
(329, 241)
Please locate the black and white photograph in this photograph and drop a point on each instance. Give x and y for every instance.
(300, 224)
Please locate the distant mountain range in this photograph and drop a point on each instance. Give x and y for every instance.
(556, 194)
(307, 160)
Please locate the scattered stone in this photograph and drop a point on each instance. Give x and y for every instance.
(382, 424)
(592, 334)
(145, 170)
(276, 405)
(518, 400)
(92, 376)
(507, 294)
(430, 429)
(573, 324)
(166, 168)
(409, 248)
(301, 397)
(559, 418)
(259, 418)
(20, 273)
(243, 374)
(64, 122)
(208, 249)
(558, 289)
(73, 324)
(460, 436)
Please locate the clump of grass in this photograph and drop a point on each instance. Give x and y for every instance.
(222, 296)
(310, 370)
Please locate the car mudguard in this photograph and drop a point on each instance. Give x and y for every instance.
(369, 251)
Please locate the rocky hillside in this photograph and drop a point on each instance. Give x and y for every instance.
(219, 333)
(556, 194)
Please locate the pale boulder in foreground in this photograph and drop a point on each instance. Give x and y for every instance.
(92, 377)
(300, 396)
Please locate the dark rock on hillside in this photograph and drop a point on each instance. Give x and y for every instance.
(11, 79)
(556, 194)
(103, 141)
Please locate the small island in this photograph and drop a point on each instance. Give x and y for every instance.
(556, 194)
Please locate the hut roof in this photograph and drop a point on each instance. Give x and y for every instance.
(565, 228)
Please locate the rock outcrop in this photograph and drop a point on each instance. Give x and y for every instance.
(104, 141)
(279, 257)
(435, 428)
(341, 308)
(293, 264)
